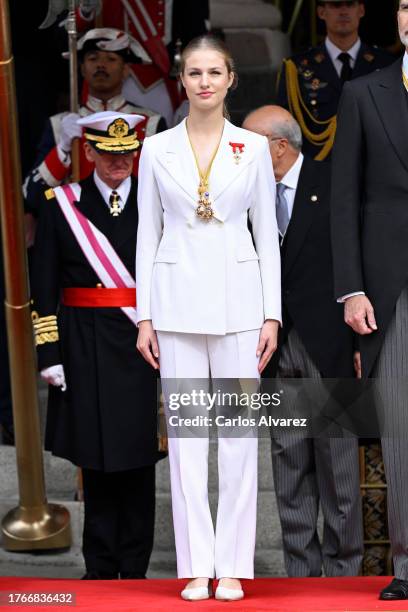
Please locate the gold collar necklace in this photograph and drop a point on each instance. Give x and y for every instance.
(204, 209)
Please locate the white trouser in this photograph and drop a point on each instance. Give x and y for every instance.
(229, 552)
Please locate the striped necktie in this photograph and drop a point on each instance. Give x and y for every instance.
(282, 213)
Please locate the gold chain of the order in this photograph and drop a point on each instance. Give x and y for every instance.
(204, 175)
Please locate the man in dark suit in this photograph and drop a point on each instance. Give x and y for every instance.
(311, 82)
(102, 394)
(314, 343)
(370, 250)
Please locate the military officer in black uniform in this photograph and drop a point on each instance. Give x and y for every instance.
(102, 394)
(311, 82)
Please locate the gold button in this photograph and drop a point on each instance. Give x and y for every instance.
(313, 102)
(314, 198)
(99, 285)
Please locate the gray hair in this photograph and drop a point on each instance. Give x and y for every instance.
(290, 130)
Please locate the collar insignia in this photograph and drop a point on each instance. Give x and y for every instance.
(319, 57)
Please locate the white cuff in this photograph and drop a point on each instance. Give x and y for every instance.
(343, 298)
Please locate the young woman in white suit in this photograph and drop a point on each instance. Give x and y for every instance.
(208, 300)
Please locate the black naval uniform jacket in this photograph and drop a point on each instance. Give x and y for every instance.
(320, 85)
(106, 419)
(307, 279)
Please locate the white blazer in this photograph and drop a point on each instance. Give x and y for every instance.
(199, 276)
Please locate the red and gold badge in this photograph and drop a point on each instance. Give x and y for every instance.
(237, 150)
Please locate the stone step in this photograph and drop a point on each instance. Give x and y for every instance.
(60, 475)
(69, 564)
(244, 14)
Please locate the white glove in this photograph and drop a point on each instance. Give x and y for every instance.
(69, 130)
(54, 375)
(89, 8)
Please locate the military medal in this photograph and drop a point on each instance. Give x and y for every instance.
(204, 206)
(319, 57)
(237, 150)
(307, 74)
(114, 206)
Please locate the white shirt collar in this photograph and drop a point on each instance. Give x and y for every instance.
(291, 178)
(123, 190)
(334, 51)
(405, 63)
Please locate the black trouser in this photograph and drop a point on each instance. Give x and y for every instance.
(119, 520)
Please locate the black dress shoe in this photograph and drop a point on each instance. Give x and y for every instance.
(397, 589)
(131, 576)
(95, 575)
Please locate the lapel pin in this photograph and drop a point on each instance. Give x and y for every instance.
(314, 198)
(237, 150)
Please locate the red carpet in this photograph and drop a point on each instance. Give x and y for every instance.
(276, 594)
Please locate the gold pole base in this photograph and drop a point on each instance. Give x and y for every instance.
(36, 528)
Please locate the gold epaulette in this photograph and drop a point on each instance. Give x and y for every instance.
(45, 328)
(49, 194)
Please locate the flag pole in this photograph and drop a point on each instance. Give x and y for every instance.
(34, 524)
(73, 85)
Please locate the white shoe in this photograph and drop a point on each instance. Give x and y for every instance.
(224, 594)
(197, 593)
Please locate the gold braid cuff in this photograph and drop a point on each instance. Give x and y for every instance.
(45, 328)
(298, 108)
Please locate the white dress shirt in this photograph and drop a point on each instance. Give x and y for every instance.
(334, 53)
(405, 64)
(123, 190)
(290, 180)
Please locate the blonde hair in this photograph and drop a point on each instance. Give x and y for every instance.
(209, 41)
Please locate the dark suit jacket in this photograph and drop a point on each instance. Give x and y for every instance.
(321, 86)
(307, 277)
(106, 419)
(370, 197)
